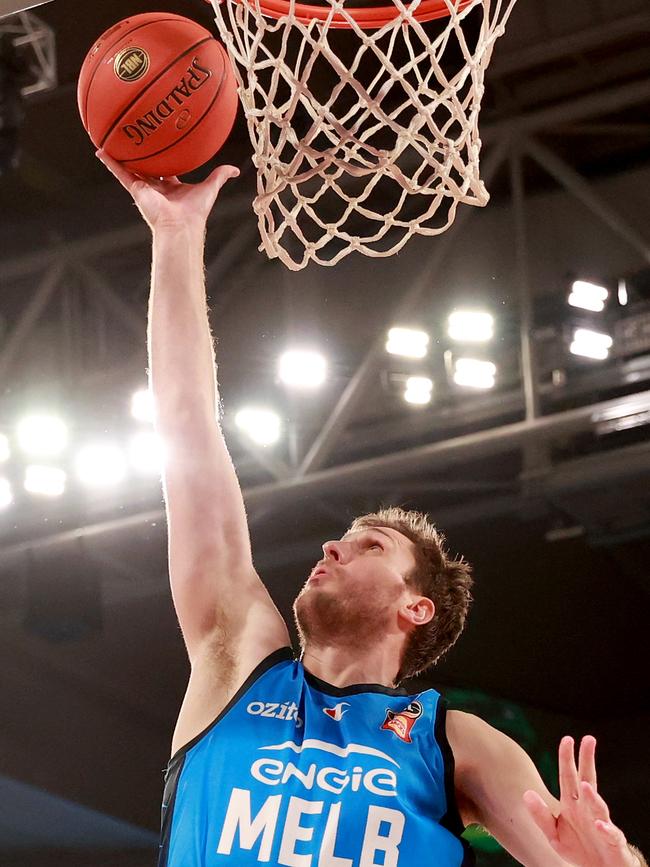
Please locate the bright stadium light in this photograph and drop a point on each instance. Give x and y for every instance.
(623, 296)
(418, 390)
(100, 465)
(302, 368)
(5, 451)
(45, 481)
(146, 453)
(142, 405)
(591, 344)
(407, 342)
(261, 425)
(472, 373)
(42, 435)
(470, 326)
(588, 296)
(6, 494)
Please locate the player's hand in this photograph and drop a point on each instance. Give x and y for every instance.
(582, 834)
(168, 202)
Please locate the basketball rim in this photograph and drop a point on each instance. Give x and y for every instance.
(365, 13)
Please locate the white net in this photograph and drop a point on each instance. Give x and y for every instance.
(362, 138)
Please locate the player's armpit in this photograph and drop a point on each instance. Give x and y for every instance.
(492, 774)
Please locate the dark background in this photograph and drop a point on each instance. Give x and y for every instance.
(549, 501)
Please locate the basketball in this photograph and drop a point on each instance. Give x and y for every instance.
(158, 93)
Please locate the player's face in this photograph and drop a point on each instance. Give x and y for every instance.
(358, 586)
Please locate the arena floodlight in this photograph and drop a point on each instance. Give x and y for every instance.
(100, 465)
(261, 425)
(5, 450)
(470, 326)
(588, 296)
(407, 342)
(146, 453)
(591, 344)
(302, 368)
(142, 405)
(6, 494)
(473, 373)
(44, 481)
(41, 435)
(623, 297)
(418, 390)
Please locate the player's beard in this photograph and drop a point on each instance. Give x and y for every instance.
(325, 619)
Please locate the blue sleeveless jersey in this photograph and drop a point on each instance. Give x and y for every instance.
(297, 772)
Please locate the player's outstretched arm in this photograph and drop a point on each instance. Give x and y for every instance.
(503, 791)
(225, 613)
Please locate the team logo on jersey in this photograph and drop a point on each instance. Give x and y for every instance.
(336, 712)
(401, 722)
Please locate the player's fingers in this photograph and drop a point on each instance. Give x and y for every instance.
(587, 760)
(569, 784)
(541, 815)
(220, 175)
(125, 177)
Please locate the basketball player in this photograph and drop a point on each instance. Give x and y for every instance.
(326, 761)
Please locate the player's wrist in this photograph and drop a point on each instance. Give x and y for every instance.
(179, 228)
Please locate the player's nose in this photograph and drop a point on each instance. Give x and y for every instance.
(334, 551)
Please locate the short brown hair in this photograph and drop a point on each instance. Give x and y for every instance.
(445, 581)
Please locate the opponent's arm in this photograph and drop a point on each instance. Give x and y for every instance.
(502, 790)
(224, 610)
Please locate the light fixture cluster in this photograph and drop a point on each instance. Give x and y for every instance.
(588, 342)
(43, 440)
(464, 327)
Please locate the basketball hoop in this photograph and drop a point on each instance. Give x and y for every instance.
(363, 118)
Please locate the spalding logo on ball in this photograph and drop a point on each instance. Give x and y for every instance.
(158, 93)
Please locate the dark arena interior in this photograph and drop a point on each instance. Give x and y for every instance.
(540, 478)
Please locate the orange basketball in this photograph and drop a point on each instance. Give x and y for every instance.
(158, 93)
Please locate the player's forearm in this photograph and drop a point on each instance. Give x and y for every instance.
(181, 351)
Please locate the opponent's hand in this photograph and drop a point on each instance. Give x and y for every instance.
(168, 202)
(582, 834)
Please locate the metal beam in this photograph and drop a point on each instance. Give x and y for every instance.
(548, 50)
(531, 399)
(576, 184)
(613, 100)
(347, 403)
(133, 319)
(134, 235)
(30, 316)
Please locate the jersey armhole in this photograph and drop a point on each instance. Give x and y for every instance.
(451, 820)
(283, 654)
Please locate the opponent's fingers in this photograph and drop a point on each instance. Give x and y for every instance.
(569, 783)
(541, 815)
(596, 804)
(587, 760)
(611, 835)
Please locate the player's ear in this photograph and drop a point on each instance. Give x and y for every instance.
(419, 610)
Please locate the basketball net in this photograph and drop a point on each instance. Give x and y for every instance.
(355, 150)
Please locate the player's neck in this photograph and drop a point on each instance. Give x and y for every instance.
(346, 666)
